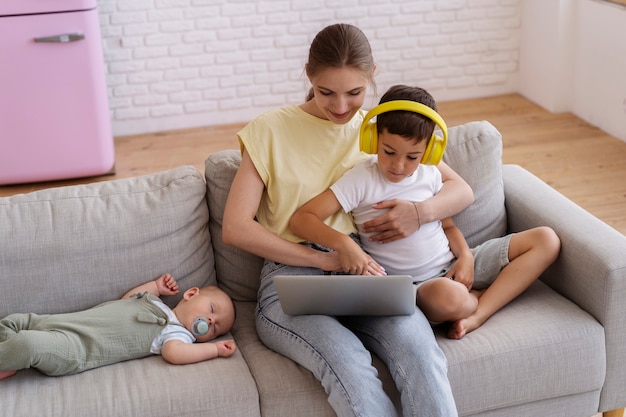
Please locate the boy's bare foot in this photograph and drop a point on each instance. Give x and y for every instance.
(460, 328)
(6, 374)
(457, 329)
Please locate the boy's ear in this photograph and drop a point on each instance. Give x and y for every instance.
(191, 292)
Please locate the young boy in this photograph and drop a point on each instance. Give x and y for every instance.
(138, 325)
(454, 283)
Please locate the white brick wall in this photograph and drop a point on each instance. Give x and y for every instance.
(183, 63)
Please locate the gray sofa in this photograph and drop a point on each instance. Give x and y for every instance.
(557, 350)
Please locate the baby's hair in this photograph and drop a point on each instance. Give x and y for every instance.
(337, 46)
(407, 124)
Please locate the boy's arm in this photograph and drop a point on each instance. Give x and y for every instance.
(163, 285)
(308, 223)
(180, 353)
(463, 269)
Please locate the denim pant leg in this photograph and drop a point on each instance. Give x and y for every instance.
(407, 345)
(321, 344)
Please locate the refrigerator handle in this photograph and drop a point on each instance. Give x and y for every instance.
(68, 37)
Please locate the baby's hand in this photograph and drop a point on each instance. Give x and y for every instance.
(167, 285)
(225, 348)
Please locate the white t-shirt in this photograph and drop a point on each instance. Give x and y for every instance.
(173, 331)
(423, 254)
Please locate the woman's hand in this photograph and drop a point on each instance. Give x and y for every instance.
(405, 217)
(400, 221)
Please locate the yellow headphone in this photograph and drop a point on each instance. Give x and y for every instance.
(368, 137)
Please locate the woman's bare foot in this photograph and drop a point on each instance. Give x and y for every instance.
(6, 374)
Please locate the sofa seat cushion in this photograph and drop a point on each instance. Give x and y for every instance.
(147, 387)
(285, 388)
(70, 248)
(533, 339)
(540, 346)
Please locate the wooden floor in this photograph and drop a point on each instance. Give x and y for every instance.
(579, 160)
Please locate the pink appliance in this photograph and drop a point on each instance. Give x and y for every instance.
(54, 113)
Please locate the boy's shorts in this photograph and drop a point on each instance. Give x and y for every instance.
(489, 259)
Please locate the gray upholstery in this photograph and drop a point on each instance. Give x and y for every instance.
(475, 152)
(69, 248)
(558, 349)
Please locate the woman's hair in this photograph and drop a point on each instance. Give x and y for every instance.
(337, 46)
(407, 124)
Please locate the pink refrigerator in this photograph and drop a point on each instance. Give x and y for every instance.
(54, 114)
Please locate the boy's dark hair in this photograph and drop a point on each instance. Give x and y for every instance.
(405, 123)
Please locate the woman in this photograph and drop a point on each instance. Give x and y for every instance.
(290, 155)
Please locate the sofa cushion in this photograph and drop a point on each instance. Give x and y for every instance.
(539, 347)
(285, 388)
(238, 271)
(70, 248)
(148, 387)
(474, 151)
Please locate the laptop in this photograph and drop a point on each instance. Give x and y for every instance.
(346, 295)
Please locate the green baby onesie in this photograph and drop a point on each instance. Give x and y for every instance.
(63, 344)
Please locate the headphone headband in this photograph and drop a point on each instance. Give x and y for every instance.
(368, 137)
(407, 105)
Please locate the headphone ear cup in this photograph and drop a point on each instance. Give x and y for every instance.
(369, 138)
(434, 151)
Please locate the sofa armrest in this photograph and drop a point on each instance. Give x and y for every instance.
(590, 271)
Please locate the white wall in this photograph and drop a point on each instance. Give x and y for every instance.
(546, 55)
(573, 58)
(183, 63)
(600, 76)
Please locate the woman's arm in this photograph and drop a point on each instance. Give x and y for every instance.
(177, 352)
(405, 217)
(239, 228)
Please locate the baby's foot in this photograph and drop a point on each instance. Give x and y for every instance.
(6, 374)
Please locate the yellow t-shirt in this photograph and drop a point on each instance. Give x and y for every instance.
(298, 156)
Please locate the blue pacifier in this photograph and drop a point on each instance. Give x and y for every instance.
(200, 326)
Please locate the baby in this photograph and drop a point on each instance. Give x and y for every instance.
(138, 325)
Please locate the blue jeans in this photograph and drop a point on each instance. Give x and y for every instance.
(337, 351)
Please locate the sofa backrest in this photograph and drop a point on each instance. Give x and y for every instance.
(237, 271)
(474, 151)
(70, 248)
